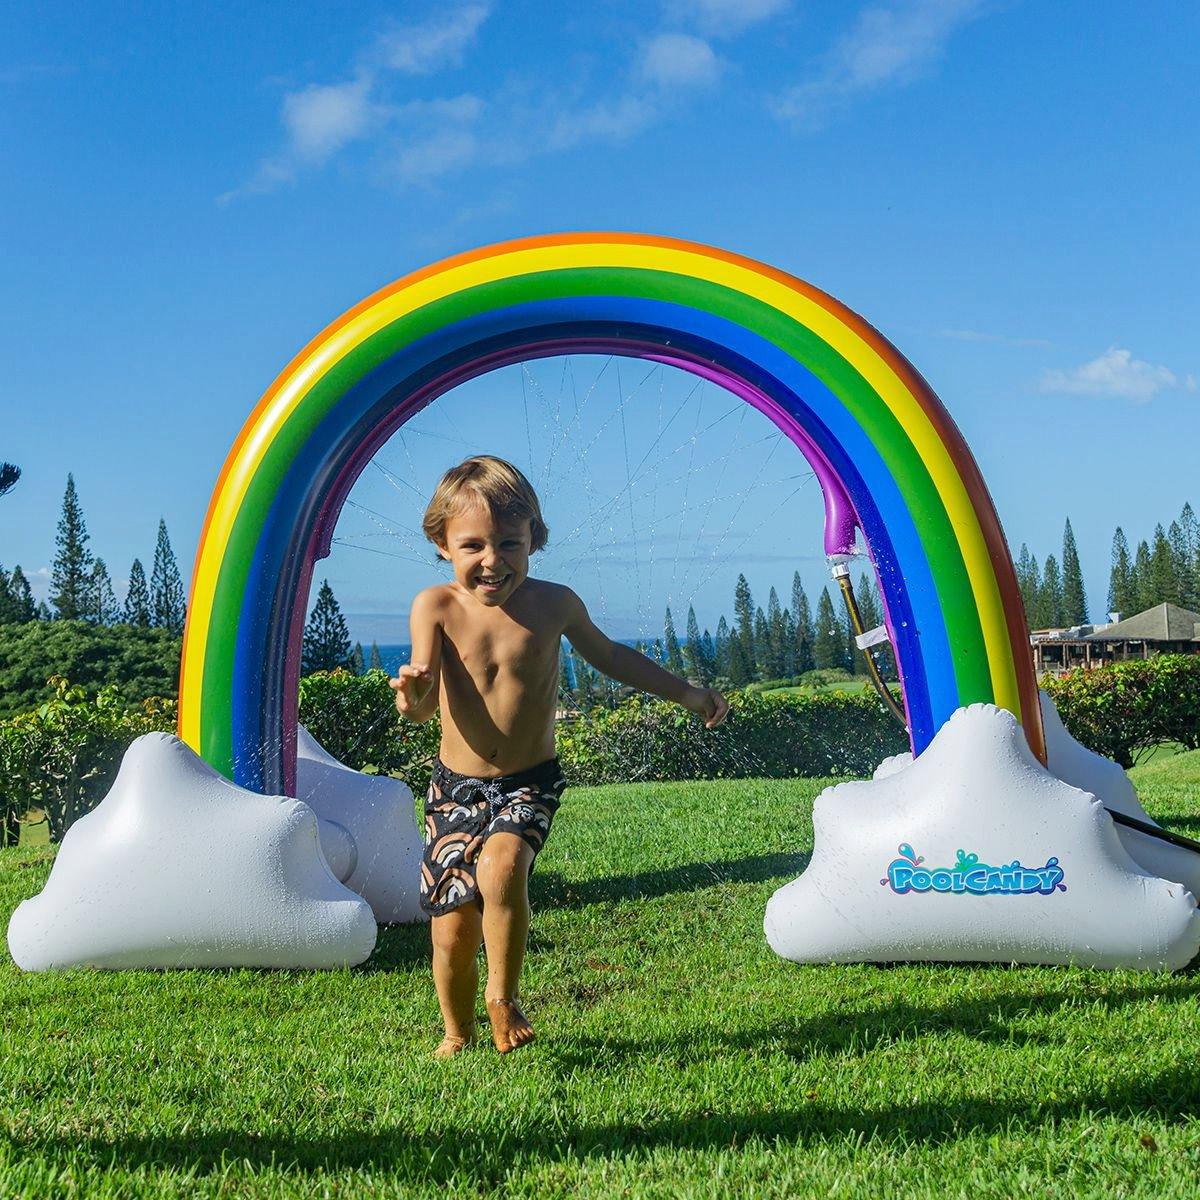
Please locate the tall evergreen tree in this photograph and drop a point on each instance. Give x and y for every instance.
(357, 665)
(137, 597)
(70, 577)
(1029, 583)
(743, 616)
(326, 636)
(1181, 564)
(790, 647)
(693, 652)
(1074, 603)
(777, 648)
(762, 644)
(674, 656)
(376, 661)
(829, 644)
(721, 648)
(9, 474)
(1143, 584)
(804, 626)
(167, 600)
(1190, 528)
(709, 650)
(1122, 593)
(1051, 594)
(102, 601)
(16, 598)
(1162, 585)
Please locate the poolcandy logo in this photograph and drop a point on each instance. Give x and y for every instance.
(970, 876)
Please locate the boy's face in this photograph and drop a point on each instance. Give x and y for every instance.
(489, 554)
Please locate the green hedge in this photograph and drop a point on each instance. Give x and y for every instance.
(141, 662)
(1121, 709)
(775, 736)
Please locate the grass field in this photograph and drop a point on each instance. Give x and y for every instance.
(678, 1055)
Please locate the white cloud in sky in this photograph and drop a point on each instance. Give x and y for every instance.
(888, 45)
(1115, 373)
(678, 60)
(723, 18)
(321, 118)
(427, 46)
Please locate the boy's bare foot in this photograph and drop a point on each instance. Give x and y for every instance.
(452, 1045)
(510, 1027)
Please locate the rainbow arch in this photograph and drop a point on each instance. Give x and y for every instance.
(890, 460)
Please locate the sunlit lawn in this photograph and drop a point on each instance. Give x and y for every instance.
(678, 1055)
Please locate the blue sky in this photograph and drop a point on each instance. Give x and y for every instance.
(1007, 190)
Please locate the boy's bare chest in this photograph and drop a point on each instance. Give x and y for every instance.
(502, 651)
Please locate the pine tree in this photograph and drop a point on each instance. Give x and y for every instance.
(710, 655)
(1029, 584)
(137, 597)
(1191, 540)
(693, 652)
(762, 644)
(776, 666)
(102, 606)
(357, 665)
(741, 670)
(70, 577)
(829, 644)
(20, 602)
(804, 626)
(376, 660)
(326, 635)
(1181, 562)
(9, 474)
(789, 644)
(167, 599)
(1161, 584)
(1051, 594)
(1143, 585)
(721, 649)
(1122, 594)
(1074, 598)
(674, 657)
(743, 615)
(8, 604)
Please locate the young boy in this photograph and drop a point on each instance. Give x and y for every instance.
(485, 650)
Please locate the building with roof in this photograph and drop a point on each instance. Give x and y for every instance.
(1163, 629)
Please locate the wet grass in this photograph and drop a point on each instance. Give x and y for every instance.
(678, 1055)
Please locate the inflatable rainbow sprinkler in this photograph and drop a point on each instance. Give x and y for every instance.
(889, 459)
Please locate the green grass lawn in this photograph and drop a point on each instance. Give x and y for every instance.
(678, 1055)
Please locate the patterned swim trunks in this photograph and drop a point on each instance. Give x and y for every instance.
(462, 812)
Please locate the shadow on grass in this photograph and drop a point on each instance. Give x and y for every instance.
(552, 890)
(485, 1157)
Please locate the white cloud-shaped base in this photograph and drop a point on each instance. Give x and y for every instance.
(887, 882)
(178, 867)
(368, 830)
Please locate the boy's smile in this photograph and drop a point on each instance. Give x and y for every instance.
(489, 554)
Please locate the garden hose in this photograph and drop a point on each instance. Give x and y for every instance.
(842, 574)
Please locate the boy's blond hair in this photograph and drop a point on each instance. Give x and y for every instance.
(496, 484)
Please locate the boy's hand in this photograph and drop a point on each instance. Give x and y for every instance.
(411, 685)
(708, 704)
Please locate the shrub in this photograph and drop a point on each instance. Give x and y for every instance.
(775, 736)
(141, 662)
(1124, 708)
(62, 757)
(354, 717)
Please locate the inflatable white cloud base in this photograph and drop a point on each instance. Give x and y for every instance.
(975, 852)
(374, 815)
(178, 867)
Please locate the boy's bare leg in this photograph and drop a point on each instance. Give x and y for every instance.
(503, 877)
(456, 938)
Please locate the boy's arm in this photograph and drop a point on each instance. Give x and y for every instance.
(628, 666)
(416, 682)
